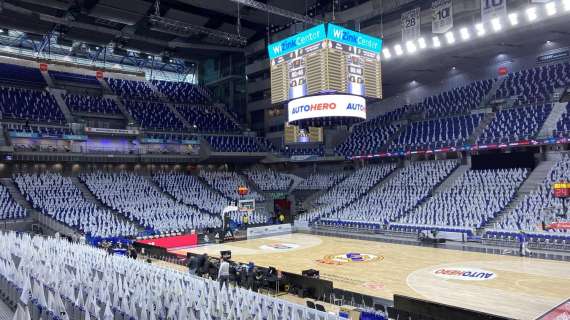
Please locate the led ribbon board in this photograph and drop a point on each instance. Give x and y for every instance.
(330, 105)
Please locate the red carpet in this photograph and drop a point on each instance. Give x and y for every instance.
(173, 242)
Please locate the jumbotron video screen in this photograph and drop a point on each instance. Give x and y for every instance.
(325, 59)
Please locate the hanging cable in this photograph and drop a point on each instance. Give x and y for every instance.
(157, 7)
(238, 25)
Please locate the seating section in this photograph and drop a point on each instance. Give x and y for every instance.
(435, 133)
(238, 144)
(38, 129)
(313, 149)
(515, 124)
(31, 105)
(207, 118)
(397, 196)
(91, 104)
(539, 205)
(12, 74)
(130, 89)
(535, 85)
(181, 92)
(136, 197)
(269, 180)
(10, 209)
(228, 182)
(154, 116)
(321, 180)
(458, 100)
(74, 78)
(472, 201)
(348, 190)
(72, 281)
(56, 196)
(563, 125)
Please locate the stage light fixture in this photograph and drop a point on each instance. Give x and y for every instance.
(386, 53)
(514, 19)
(480, 29)
(450, 37)
(422, 43)
(411, 47)
(531, 14)
(465, 35)
(496, 24)
(550, 8)
(398, 50)
(566, 5)
(436, 42)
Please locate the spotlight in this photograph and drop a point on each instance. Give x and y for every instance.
(450, 37)
(550, 8)
(566, 5)
(480, 29)
(436, 42)
(422, 43)
(464, 34)
(398, 49)
(514, 19)
(531, 14)
(386, 53)
(411, 47)
(496, 24)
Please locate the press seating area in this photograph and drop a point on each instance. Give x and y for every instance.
(74, 78)
(56, 196)
(10, 209)
(472, 201)
(181, 92)
(135, 197)
(11, 74)
(395, 197)
(207, 118)
(29, 105)
(228, 182)
(540, 205)
(238, 144)
(91, 104)
(515, 124)
(154, 116)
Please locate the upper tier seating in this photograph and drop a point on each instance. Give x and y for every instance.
(348, 190)
(129, 89)
(154, 116)
(72, 281)
(563, 124)
(539, 205)
(458, 100)
(394, 198)
(238, 144)
(472, 201)
(189, 190)
(91, 104)
(269, 180)
(535, 85)
(74, 78)
(228, 182)
(32, 105)
(207, 118)
(435, 133)
(57, 197)
(181, 92)
(10, 209)
(321, 180)
(136, 197)
(42, 130)
(12, 74)
(515, 124)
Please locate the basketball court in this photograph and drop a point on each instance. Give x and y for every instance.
(521, 288)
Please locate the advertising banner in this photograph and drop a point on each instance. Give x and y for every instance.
(442, 16)
(331, 105)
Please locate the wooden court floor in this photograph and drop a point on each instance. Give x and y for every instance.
(521, 288)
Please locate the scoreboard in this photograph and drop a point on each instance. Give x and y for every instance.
(325, 59)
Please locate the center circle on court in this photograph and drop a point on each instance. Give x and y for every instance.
(279, 246)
